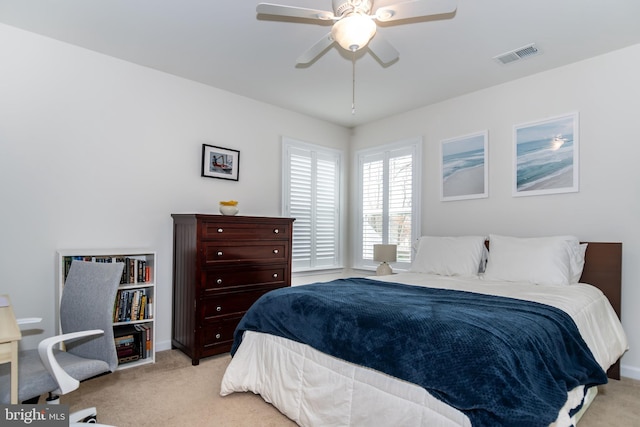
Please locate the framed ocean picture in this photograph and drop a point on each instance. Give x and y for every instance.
(545, 159)
(464, 167)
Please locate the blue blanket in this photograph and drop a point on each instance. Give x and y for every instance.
(501, 361)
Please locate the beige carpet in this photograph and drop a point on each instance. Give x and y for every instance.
(172, 392)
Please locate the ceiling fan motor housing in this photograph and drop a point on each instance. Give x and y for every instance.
(342, 7)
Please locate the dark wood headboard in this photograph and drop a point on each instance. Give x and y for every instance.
(603, 269)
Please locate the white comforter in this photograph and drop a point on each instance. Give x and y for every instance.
(315, 389)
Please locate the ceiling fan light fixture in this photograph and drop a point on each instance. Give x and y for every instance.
(354, 31)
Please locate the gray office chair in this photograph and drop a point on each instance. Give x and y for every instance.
(86, 318)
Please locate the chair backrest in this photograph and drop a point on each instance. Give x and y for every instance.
(87, 303)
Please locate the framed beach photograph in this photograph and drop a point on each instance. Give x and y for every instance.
(218, 162)
(464, 167)
(545, 159)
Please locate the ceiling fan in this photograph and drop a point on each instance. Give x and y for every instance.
(354, 26)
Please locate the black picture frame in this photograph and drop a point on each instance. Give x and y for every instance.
(220, 162)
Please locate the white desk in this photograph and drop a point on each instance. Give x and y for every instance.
(9, 337)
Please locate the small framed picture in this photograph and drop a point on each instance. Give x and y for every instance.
(218, 162)
(463, 167)
(545, 156)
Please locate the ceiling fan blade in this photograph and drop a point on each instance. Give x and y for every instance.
(383, 50)
(414, 9)
(315, 50)
(292, 11)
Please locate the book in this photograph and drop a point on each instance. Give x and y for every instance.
(124, 340)
(126, 350)
(143, 307)
(135, 304)
(145, 344)
(130, 343)
(149, 331)
(133, 270)
(141, 271)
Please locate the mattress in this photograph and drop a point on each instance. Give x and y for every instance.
(313, 389)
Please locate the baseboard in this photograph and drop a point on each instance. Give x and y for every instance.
(630, 372)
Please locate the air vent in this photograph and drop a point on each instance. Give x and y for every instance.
(518, 54)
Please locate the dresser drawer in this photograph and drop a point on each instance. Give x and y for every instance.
(250, 251)
(273, 275)
(229, 304)
(217, 335)
(244, 231)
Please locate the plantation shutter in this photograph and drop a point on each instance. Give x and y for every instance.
(301, 208)
(311, 196)
(388, 180)
(372, 205)
(400, 205)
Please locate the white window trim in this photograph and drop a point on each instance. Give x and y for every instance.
(415, 144)
(285, 209)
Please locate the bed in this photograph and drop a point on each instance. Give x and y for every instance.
(438, 378)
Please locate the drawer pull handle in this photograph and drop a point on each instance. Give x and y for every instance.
(218, 336)
(276, 231)
(275, 275)
(219, 253)
(219, 281)
(275, 251)
(218, 308)
(220, 230)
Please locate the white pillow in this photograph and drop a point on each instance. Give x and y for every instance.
(539, 260)
(449, 256)
(577, 251)
(577, 263)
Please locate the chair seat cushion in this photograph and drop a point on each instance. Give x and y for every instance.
(33, 380)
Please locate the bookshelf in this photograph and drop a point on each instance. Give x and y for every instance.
(134, 307)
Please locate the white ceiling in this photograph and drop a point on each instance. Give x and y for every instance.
(223, 43)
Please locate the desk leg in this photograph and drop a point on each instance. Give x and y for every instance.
(14, 372)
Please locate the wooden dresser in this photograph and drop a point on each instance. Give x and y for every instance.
(222, 265)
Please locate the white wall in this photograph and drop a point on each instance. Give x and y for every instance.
(97, 153)
(606, 92)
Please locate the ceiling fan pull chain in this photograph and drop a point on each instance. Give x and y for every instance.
(353, 84)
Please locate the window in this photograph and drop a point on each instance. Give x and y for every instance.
(388, 200)
(311, 180)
